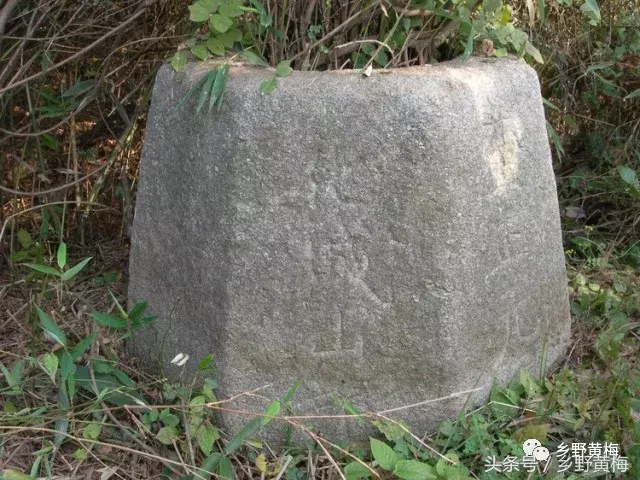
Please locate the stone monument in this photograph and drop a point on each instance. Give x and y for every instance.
(387, 239)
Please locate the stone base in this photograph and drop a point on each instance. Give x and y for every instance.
(387, 240)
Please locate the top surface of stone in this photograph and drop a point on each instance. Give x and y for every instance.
(388, 239)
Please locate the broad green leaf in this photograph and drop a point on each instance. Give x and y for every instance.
(17, 371)
(355, 470)
(137, 311)
(108, 320)
(92, 430)
(221, 23)
(50, 365)
(216, 46)
(62, 255)
(539, 432)
(205, 363)
(230, 37)
(212, 5)
(542, 11)
(123, 378)
(206, 437)
(168, 418)
(154, 414)
(592, 6)
(265, 19)
(50, 142)
(79, 454)
(67, 366)
(392, 430)
(225, 469)
(71, 383)
(67, 374)
(208, 467)
(534, 52)
(49, 326)
(383, 454)
(599, 66)
(137, 324)
(196, 410)
(167, 435)
(81, 346)
(178, 61)
(73, 271)
(200, 51)
(500, 52)
(277, 33)
(231, 8)
(236, 441)
(414, 470)
(628, 175)
(25, 239)
(253, 58)
(207, 390)
(450, 471)
(199, 12)
(272, 412)
(15, 475)
(8, 376)
(531, 387)
(44, 269)
(269, 85)
(491, 5)
(469, 45)
(283, 69)
(101, 365)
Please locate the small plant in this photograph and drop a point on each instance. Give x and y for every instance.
(61, 272)
(211, 87)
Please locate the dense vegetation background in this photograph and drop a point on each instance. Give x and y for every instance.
(75, 80)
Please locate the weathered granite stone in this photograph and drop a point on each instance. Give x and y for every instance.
(387, 240)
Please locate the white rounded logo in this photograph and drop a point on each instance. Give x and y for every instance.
(530, 445)
(540, 453)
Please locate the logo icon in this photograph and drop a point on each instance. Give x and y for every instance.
(533, 448)
(530, 445)
(541, 453)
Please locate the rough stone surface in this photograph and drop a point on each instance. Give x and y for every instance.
(387, 240)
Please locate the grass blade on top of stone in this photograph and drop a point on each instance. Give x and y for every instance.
(217, 89)
(196, 87)
(206, 89)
